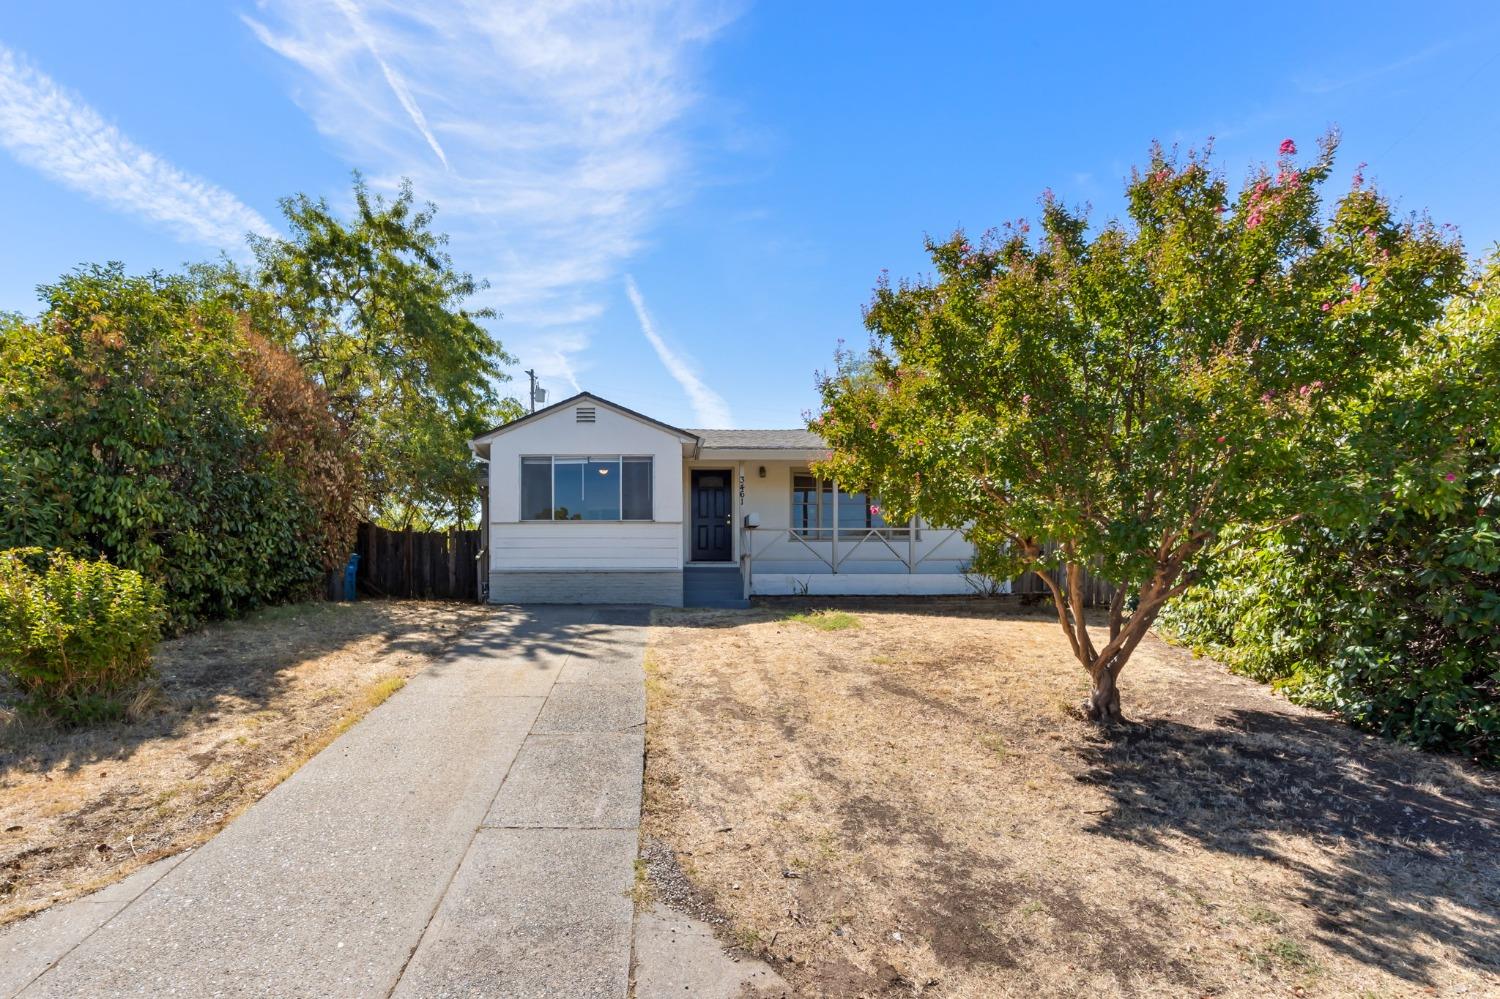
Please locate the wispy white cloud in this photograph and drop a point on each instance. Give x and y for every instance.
(57, 134)
(709, 406)
(1366, 73)
(397, 83)
(557, 127)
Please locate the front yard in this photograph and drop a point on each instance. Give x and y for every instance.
(240, 706)
(902, 802)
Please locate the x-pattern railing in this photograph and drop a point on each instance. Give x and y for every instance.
(842, 544)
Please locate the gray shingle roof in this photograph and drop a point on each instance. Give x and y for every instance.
(760, 439)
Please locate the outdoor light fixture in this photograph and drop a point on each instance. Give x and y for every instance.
(763, 471)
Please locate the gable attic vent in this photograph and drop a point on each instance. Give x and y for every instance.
(585, 414)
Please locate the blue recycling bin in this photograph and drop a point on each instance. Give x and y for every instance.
(350, 571)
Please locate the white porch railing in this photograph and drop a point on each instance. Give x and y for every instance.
(833, 547)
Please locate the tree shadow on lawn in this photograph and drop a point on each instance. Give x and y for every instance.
(1407, 847)
(242, 666)
(245, 666)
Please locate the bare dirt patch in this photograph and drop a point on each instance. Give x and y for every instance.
(912, 807)
(240, 706)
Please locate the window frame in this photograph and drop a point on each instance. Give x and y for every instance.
(826, 488)
(584, 459)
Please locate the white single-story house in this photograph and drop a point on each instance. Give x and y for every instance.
(590, 502)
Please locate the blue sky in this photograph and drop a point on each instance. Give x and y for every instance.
(682, 206)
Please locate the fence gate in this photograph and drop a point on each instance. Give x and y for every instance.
(441, 565)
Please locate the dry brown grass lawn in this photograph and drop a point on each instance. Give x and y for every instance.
(910, 807)
(240, 706)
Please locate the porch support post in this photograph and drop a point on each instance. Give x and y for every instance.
(911, 545)
(835, 548)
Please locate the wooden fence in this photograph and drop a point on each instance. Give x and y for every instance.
(440, 565)
(1096, 592)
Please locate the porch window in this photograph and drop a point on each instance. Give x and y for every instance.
(813, 506)
(588, 488)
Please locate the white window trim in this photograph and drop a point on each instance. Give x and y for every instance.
(825, 534)
(553, 459)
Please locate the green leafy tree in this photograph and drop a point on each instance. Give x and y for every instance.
(1383, 604)
(131, 427)
(1112, 401)
(375, 311)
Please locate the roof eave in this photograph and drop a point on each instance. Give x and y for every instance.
(485, 438)
(765, 453)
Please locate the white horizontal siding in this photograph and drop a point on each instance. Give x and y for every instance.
(559, 434)
(585, 545)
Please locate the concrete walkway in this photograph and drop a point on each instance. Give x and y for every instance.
(473, 836)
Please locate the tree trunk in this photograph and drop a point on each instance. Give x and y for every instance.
(1103, 704)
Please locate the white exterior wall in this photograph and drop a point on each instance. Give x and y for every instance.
(573, 545)
(637, 561)
(781, 565)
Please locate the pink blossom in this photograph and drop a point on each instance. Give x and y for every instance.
(1221, 440)
(1267, 396)
(1288, 147)
(1450, 476)
(1325, 306)
(1317, 384)
(1025, 399)
(1253, 220)
(873, 426)
(1250, 280)
(1305, 391)
(1221, 208)
(1355, 286)
(875, 510)
(1359, 176)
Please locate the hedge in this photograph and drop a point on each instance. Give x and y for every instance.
(1383, 604)
(141, 423)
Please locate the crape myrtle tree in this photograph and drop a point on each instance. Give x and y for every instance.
(1110, 400)
(377, 314)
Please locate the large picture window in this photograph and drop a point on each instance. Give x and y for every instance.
(813, 506)
(612, 488)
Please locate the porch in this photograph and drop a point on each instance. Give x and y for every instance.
(754, 504)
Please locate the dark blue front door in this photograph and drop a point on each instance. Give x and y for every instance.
(712, 519)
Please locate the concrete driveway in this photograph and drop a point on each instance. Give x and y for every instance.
(475, 835)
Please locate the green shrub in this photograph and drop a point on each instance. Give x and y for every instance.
(1395, 627)
(140, 422)
(1384, 605)
(75, 634)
